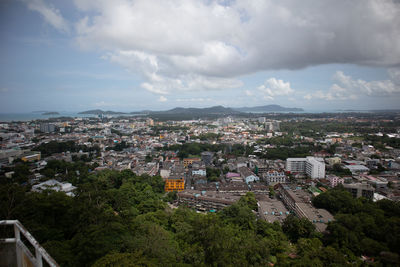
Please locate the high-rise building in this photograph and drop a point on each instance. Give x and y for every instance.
(272, 126)
(313, 167)
(47, 127)
(296, 165)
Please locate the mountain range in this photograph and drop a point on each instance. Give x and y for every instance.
(99, 111)
(268, 108)
(201, 111)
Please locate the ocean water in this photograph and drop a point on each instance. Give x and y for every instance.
(8, 117)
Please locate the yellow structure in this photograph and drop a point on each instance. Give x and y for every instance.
(189, 161)
(174, 185)
(333, 161)
(336, 140)
(31, 157)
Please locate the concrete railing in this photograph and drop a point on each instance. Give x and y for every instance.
(22, 255)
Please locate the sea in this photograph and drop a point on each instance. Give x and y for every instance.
(9, 117)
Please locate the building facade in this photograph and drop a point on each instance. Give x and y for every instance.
(200, 171)
(172, 184)
(313, 167)
(47, 127)
(275, 177)
(334, 180)
(190, 161)
(360, 190)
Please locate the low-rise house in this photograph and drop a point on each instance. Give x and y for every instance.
(274, 177)
(333, 161)
(247, 175)
(233, 177)
(377, 182)
(199, 171)
(190, 161)
(298, 202)
(360, 190)
(211, 201)
(334, 180)
(55, 185)
(357, 169)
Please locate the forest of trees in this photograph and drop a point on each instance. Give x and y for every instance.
(120, 219)
(382, 141)
(58, 147)
(362, 226)
(195, 149)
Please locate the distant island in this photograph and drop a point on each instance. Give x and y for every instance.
(268, 108)
(39, 111)
(50, 113)
(99, 111)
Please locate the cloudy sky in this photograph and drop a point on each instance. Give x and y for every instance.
(130, 55)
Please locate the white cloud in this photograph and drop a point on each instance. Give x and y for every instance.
(273, 87)
(194, 99)
(162, 99)
(50, 14)
(394, 74)
(248, 93)
(161, 81)
(377, 88)
(349, 88)
(308, 96)
(103, 104)
(190, 45)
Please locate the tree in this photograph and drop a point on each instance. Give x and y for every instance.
(296, 228)
(136, 259)
(271, 192)
(118, 218)
(171, 196)
(21, 173)
(249, 200)
(11, 196)
(338, 170)
(335, 200)
(240, 215)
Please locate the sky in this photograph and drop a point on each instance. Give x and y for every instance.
(131, 55)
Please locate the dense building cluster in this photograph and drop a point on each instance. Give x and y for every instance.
(210, 163)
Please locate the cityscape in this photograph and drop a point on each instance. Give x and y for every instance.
(290, 167)
(199, 133)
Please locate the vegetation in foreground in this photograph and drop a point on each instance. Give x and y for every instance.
(120, 219)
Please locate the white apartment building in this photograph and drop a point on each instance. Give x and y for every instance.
(296, 165)
(314, 167)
